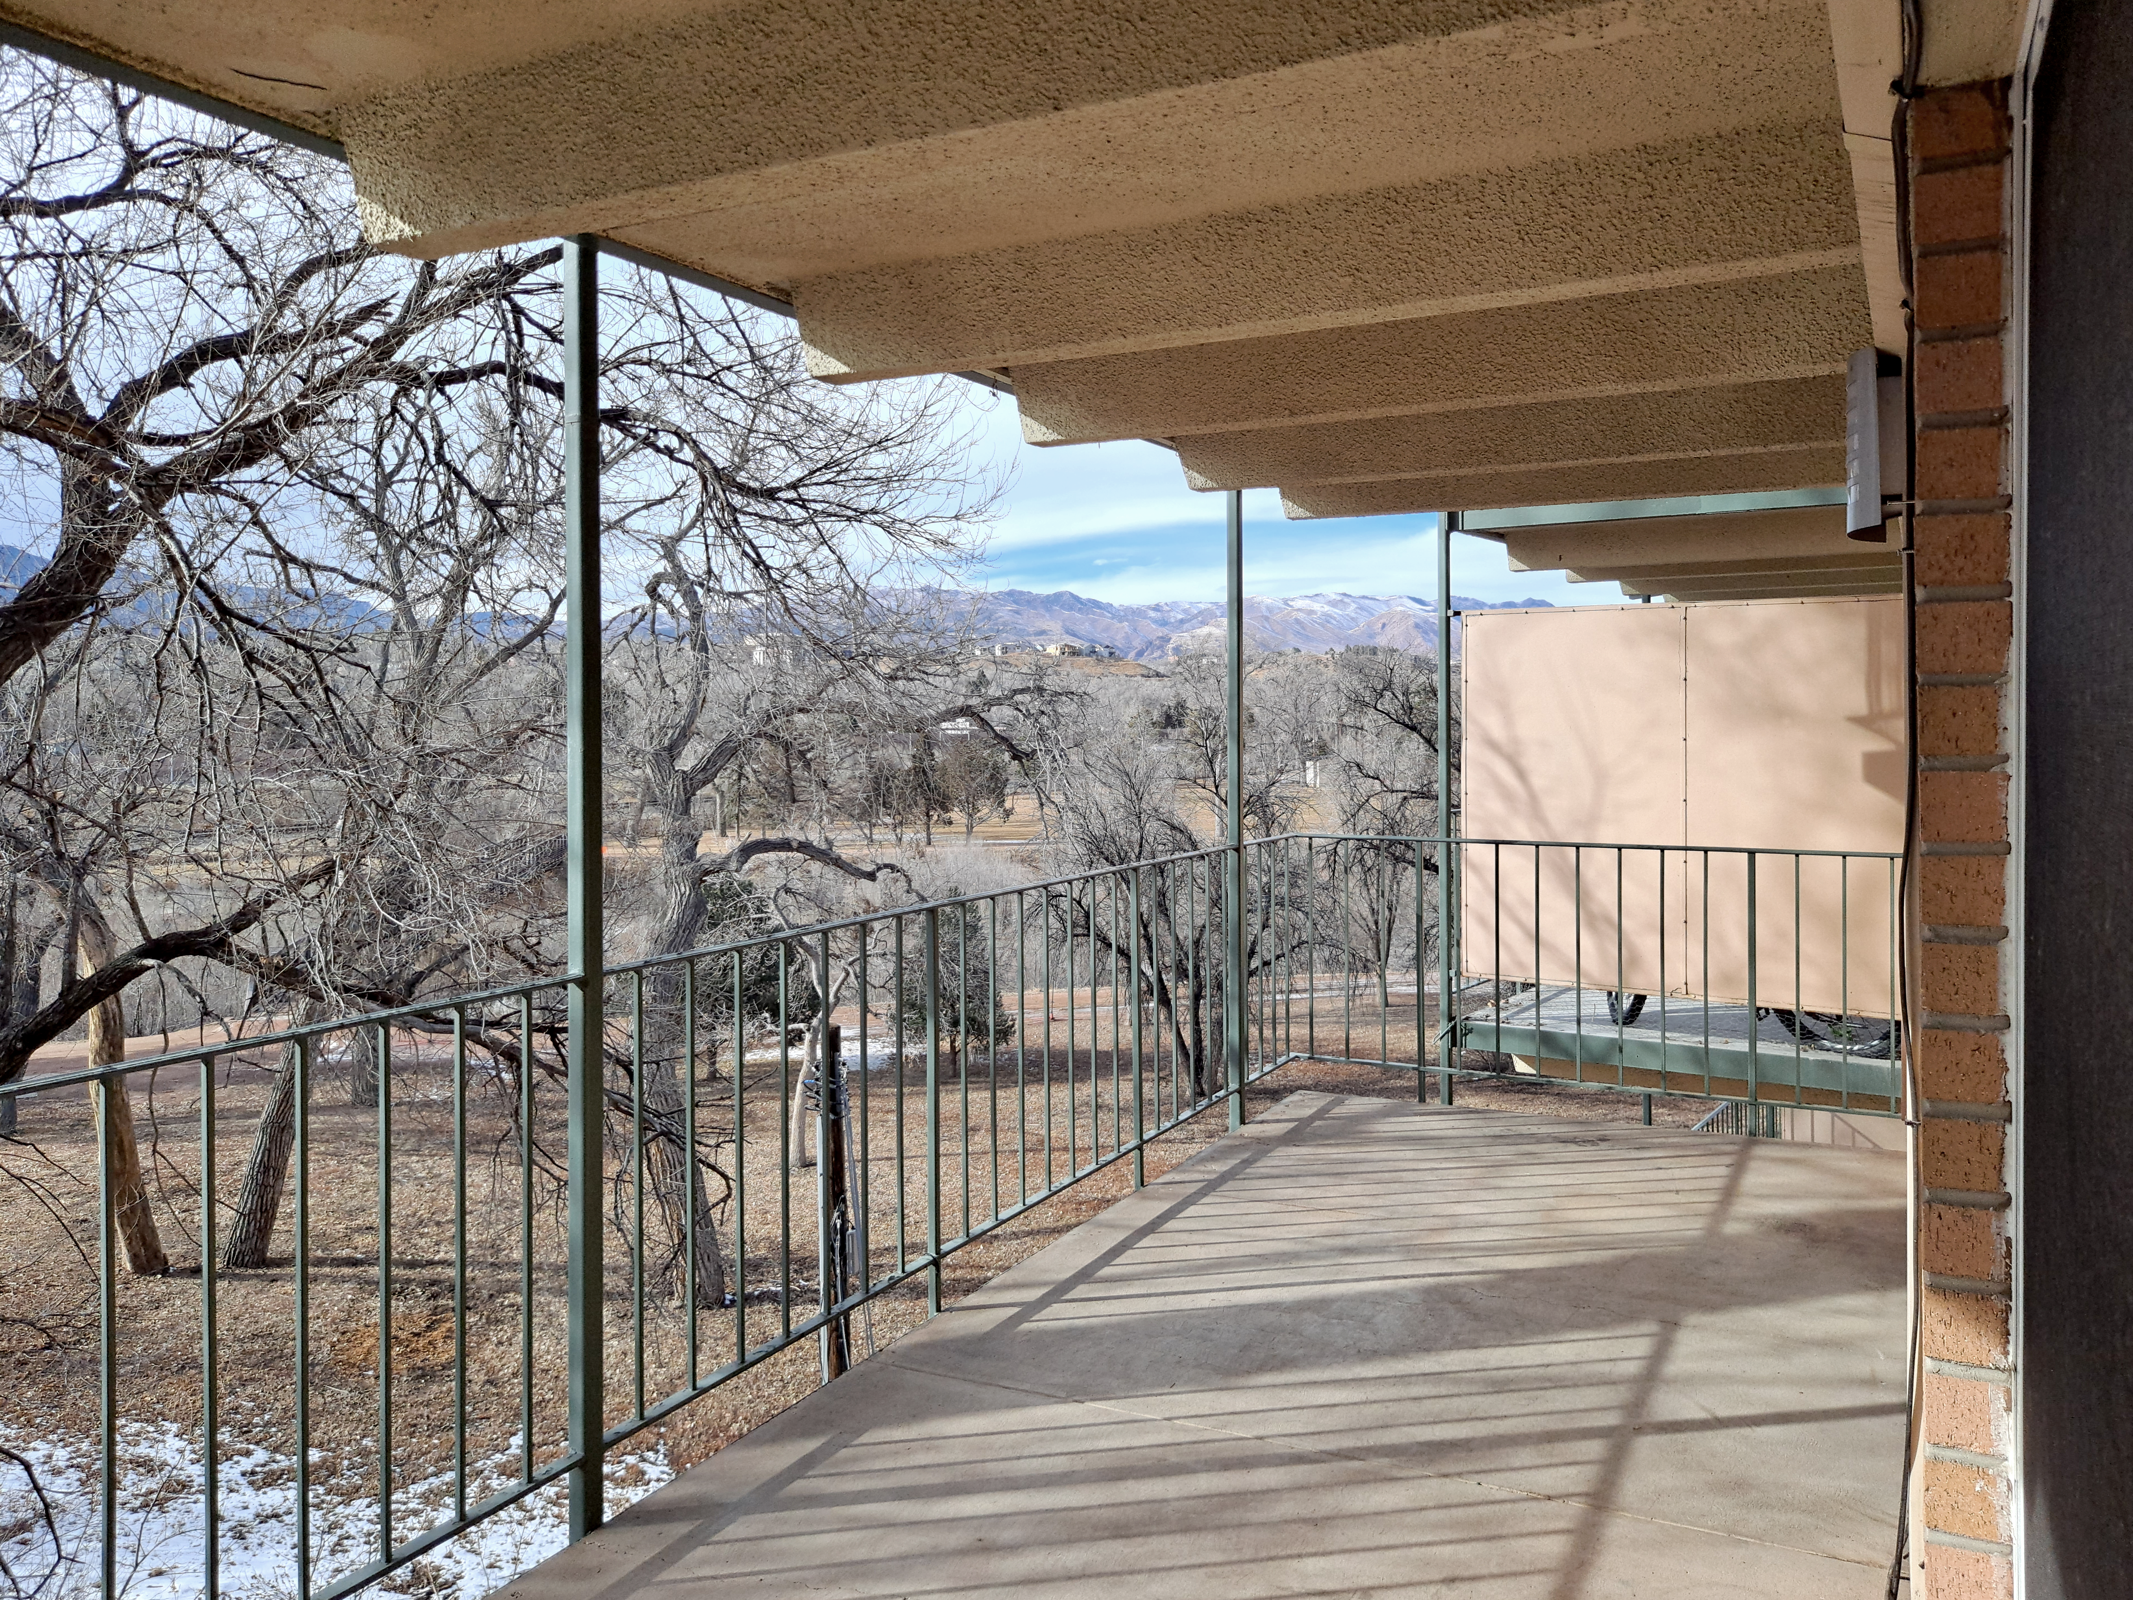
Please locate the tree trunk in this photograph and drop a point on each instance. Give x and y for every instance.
(266, 1173)
(19, 974)
(678, 926)
(114, 1117)
(363, 1066)
(668, 1180)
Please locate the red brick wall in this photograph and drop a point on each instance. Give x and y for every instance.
(1959, 151)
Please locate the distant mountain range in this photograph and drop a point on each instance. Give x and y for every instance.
(1152, 632)
(1013, 618)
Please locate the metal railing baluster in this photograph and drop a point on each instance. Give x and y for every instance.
(992, 1041)
(459, 1263)
(637, 1194)
(931, 933)
(210, 1397)
(739, 1025)
(300, 1232)
(1138, 939)
(688, 1170)
(1133, 978)
(385, 1292)
(786, 1152)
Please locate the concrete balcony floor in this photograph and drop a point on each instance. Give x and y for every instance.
(1359, 1348)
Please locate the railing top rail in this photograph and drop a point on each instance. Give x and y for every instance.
(443, 1008)
(1585, 844)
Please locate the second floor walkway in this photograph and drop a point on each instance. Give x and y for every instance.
(1358, 1348)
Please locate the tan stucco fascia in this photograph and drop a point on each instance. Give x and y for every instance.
(1619, 250)
(1806, 588)
(1717, 420)
(1789, 534)
(1867, 37)
(1793, 325)
(1570, 485)
(1882, 566)
(1969, 41)
(1752, 204)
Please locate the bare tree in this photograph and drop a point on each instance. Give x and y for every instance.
(281, 685)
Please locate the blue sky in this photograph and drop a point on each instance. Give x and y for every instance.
(1116, 522)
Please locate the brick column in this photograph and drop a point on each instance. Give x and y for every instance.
(1959, 153)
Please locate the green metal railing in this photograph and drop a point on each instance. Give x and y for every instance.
(516, 1237)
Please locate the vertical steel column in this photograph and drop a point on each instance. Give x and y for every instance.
(1233, 877)
(582, 820)
(1447, 856)
(930, 923)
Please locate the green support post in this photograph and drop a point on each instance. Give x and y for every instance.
(582, 818)
(1233, 878)
(930, 924)
(1447, 854)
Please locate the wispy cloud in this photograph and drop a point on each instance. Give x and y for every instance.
(1116, 522)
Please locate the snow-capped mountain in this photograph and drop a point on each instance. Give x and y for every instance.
(1151, 632)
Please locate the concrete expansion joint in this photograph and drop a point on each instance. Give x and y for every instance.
(1942, 933)
(1960, 764)
(1963, 508)
(1967, 1458)
(1943, 1368)
(1961, 332)
(1948, 594)
(1968, 1110)
(1963, 847)
(1965, 1021)
(1970, 1199)
(1963, 1541)
(1962, 680)
(1944, 421)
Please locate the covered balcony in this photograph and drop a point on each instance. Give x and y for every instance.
(1732, 304)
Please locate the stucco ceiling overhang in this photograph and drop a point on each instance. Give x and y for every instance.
(1385, 256)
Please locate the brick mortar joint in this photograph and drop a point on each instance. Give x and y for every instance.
(1992, 155)
(1983, 244)
(1963, 332)
(1963, 1541)
(1955, 1455)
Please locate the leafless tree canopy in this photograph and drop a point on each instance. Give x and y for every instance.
(279, 658)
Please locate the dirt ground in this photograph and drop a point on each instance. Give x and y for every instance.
(1002, 1124)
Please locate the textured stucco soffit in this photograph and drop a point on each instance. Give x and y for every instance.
(1391, 256)
(1523, 486)
(1794, 325)
(1785, 414)
(1792, 533)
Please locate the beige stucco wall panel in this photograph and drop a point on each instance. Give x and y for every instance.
(1595, 693)
(1790, 412)
(1766, 726)
(1789, 325)
(1739, 205)
(1643, 480)
(1795, 725)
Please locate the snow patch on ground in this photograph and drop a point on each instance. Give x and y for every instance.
(162, 1547)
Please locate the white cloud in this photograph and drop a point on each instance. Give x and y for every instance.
(1116, 522)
